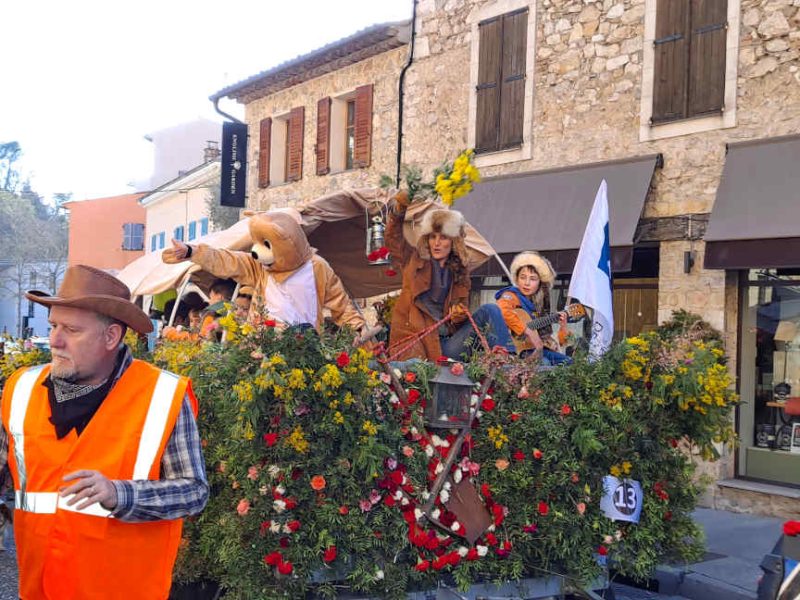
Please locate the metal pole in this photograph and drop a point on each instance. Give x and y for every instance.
(504, 267)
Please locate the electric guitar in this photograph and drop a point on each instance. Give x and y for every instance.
(575, 312)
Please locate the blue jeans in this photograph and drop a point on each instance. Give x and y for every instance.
(464, 340)
(550, 357)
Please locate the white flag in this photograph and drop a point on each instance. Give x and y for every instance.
(591, 278)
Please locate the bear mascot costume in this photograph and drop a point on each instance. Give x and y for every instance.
(291, 283)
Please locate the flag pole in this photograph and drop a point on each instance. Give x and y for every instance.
(504, 267)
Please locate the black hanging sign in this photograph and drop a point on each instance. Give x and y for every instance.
(234, 164)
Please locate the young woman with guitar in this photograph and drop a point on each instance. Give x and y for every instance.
(526, 307)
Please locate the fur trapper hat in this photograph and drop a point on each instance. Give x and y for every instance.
(450, 223)
(447, 222)
(540, 264)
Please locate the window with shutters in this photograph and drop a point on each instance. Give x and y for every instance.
(280, 158)
(691, 48)
(178, 233)
(133, 236)
(192, 230)
(501, 78)
(203, 226)
(344, 131)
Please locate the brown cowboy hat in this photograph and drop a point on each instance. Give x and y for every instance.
(92, 289)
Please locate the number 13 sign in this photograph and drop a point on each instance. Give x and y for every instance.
(622, 499)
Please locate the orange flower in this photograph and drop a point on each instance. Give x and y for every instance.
(318, 483)
(501, 464)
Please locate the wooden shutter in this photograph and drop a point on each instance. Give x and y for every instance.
(487, 116)
(671, 60)
(709, 22)
(323, 148)
(264, 146)
(294, 158)
(512, 89)
(362, 153)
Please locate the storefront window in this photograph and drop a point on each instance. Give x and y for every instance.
(769, 367)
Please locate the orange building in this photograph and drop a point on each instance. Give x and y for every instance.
(106, 233)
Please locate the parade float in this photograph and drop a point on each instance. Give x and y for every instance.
(337, 472)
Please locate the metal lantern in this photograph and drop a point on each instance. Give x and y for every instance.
(375, 240)
(449, 405)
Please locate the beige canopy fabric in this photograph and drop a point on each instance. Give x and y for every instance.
(336, 227)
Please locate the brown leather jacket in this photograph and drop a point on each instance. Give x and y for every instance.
(409, 316)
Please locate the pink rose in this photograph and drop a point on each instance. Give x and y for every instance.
(365, 505)
(243, 507)
(457, 369)
(252, 473)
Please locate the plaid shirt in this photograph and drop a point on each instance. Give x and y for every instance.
(182, 489)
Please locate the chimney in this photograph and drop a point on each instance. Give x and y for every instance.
(211, 151)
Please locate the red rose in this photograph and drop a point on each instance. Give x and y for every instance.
(382, 252)
(472, 554)
(264, 527)
(515, 416)
(343, 510)
(390, 272)
(273, 558)
(293, 525)
(491, 539)
(343, 360)
(673, 443)
(543, 508)
(290, 503)
(413, 396)
(487, 404)
(485, 491)
(519, 456)
(283, 542)
(442, 360)
(410, 377)
(530, 528)
(565, 410)
(285, 568)
(602, 550)
(422, 565)
(389, 500)
(440, 563)
(537, 454)
(270, 322)
(270, 438)
(330, 554)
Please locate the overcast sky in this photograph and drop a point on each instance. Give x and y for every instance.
(83, 81)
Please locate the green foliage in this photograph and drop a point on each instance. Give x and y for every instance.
(280, 411)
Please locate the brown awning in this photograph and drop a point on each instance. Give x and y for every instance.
(548, 210)
(755, 222)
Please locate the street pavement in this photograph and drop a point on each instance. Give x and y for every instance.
(624, 592)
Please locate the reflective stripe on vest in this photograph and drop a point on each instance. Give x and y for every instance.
(149, 443)
(23, 390)
(153, 430)
(46, 503)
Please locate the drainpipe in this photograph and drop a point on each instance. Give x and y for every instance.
(401, 94)
(223, 113)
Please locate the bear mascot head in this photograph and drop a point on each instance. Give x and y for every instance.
(279, 243)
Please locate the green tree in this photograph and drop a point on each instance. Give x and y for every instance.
(10, 152)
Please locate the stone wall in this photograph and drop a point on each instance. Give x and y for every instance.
(383, 72)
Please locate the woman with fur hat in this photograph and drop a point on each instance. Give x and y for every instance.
(528, 299)
(436, 283)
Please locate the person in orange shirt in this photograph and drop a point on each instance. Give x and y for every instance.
(528, 299)
(103, 451)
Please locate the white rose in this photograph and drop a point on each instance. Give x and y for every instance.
(274, 471)
(444, 496)
(398, 373)
(455, 526)
(462, 551)
(482, 550)
(398, 495)
(436, 440)
(447, 485)
(439, 468)
(457, 476)
(429, 451)
(417, 514)
(280, 490)
(379, 574)
(436, 512)
(491, 528)
(279, 506)
(404, 502)
(426, 495)
(274, 526)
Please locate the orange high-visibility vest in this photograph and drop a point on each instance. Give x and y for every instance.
(64, 553)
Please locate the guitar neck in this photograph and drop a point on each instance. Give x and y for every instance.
(540, 322)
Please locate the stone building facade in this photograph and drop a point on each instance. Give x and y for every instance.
(587, 86)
